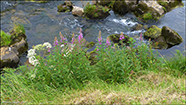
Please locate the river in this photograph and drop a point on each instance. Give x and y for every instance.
(42, 23)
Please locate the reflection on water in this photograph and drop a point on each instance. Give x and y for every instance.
(42, 23)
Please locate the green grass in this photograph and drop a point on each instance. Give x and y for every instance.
(120, 75)
(5, 39)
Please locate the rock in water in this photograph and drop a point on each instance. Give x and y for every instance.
(77, 11)
(8, 58)
(153, 32)
(171, 37)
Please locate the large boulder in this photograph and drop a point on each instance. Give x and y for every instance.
(77, 11)
(163, 38)
(96, 11)
(159, 43)
(168, 5)
(153, 32)
(8, 58)
(148, 10)
(153, 4)
(171, 37)
(120, 7)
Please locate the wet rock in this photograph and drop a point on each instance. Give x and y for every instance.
(102, 2)
(8, 58)
(67, 6)
(154, 5)
(138, 27)
(166, 39)
(120, 7)
(20, 47)
(171, 37)
(64, 8)
(159, 43)
(96, 11)
(146, 11)
(168, 5)
(153, 32)
(77, 11)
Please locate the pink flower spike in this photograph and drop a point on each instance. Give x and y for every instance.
(97, 49)
(141, 38)
(100, 38)
(108, 42)
(55, 41)
(121, 36)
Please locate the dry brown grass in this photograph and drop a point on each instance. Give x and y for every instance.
(149, 89)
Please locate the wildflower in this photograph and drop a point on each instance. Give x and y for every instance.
(121, 36)
(38, 47)
(100, 38)
(55, 41)
(97, 49)
(108, 42)
(73, 38)
(62, 38)
(141, 38)
(33, 60)
(80, 37)
(47, 45)
(31, 53)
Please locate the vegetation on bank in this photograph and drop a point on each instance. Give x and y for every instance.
(6, 39)
(120, 74)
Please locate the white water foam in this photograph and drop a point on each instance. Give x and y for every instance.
(125, 22)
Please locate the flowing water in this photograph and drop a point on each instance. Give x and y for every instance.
(42, 23)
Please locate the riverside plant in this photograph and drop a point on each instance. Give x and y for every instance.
(114, 65)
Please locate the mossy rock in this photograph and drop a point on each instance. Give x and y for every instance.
(96, 12)
(171, 37)
(168, 6)
(115, 39)
(153, 32)
(120, 7)
(145, 13)
(64, 8)
(159, 43)
(90, 44)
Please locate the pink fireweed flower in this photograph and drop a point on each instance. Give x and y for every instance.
(62, 38)
(100, 38)
(108, 42)
(80, 37)
(55, 41)
(121, 36)
(141, 38)
(48, 49)
(73, 38)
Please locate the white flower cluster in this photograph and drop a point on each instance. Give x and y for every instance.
(31, 53)
(47, 45)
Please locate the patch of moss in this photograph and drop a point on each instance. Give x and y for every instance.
(147, 16)
(5, 39)
(153, 32)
